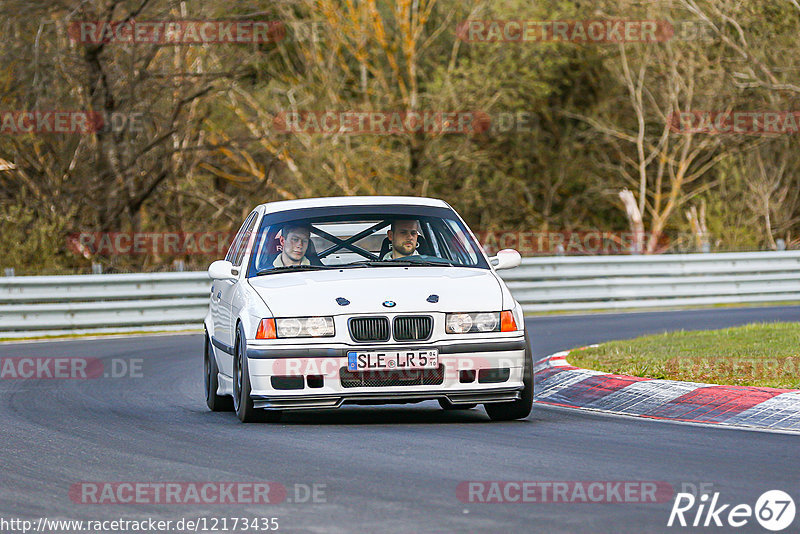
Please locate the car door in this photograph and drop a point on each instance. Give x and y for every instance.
(220, 321)
(227, 288)
(221, 291)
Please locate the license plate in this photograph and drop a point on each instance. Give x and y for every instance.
(392, 360)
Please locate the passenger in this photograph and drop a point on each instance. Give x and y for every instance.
(403, 235)
(294, 242)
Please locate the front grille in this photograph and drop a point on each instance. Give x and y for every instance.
(381, 379)
(413, 328)
(369, 328)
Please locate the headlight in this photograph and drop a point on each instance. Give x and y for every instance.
(481, 322)
(486, 322)
(462, 323)
(298, 327)
(305, 327)
(289, 327)
(319, 326)
(459, 323)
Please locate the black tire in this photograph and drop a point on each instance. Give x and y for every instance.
(521, 408)
(242, 402)
(447, 405)
(215, 403)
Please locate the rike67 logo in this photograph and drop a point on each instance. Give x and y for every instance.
(774, 510)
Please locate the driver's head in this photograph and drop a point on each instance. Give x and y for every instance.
(403, 235)
(294, 241)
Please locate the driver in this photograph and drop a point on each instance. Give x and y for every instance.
(403, 235)
(294, 242)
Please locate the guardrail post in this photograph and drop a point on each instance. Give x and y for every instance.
(97, 268)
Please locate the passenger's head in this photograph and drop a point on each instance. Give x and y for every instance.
(404, 234)
(294, 241)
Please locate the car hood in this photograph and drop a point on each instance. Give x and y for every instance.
(315, 292)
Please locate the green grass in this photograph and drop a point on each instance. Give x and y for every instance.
(762, 354)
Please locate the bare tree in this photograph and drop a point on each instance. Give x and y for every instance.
(665, 163)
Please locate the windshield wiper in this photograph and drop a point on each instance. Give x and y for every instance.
(424, 263)
(355, 265)
(294, 268)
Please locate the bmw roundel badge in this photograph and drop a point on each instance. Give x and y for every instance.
(389, 303)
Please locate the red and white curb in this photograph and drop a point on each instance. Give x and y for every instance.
(560, 384)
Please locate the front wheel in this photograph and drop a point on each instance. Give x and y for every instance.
(520, 408)
(242, 402)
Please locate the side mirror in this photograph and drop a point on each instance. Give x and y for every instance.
(222, 270)
(507, 258)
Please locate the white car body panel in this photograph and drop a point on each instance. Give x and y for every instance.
(366, 289)
(245, 301)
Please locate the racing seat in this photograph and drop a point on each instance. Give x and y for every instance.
(384, 248)
(311, 254)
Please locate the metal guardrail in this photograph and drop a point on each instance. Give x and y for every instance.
(618, 282)
(56, 305)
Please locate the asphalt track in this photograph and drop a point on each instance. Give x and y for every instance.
(384, 469)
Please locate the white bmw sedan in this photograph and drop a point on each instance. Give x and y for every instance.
(363, 300)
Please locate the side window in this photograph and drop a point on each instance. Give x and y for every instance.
(460, 244)
(234, 250)
(241, 247)
(235, 242)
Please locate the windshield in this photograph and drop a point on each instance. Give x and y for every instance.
(328, 239)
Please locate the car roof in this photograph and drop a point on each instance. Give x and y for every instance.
(288, 205)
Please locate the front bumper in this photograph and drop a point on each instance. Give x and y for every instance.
(305, 402)
(327, 388)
